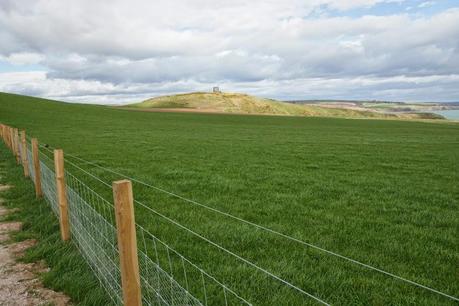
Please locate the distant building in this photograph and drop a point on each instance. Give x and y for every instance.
(216, 89)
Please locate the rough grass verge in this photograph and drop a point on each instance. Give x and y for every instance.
(68, 271)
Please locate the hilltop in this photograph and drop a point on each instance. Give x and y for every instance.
(238, 103)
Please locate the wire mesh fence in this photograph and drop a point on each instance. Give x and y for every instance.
(19, 146)
(94, 233)
(179, 280)
(48, 184)
(30, 164)
(159, 287)
(166, 277)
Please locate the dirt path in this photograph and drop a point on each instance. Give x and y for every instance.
(19, 282)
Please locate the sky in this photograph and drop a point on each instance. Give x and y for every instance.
(120, 51)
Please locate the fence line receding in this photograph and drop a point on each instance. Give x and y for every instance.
(93, 229)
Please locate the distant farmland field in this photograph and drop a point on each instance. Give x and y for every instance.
(384, 193)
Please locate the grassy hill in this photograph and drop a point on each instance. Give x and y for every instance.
(247, 104)
(383, 192)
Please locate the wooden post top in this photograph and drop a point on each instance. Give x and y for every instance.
(127, 242)
(120, 182)
(61, 194)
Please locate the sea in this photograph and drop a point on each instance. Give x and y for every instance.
(451, 114)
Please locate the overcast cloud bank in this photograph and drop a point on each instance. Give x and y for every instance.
(124, 51)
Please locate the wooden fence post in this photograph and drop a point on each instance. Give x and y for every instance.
(11, 140)
(36, 167)
(13, 147)
(25, 158)
(7, 134)
(127, 242)
(16, 146)
(61, 194)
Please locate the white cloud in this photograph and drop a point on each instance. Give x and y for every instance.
(23, 58)
(426, 4)
(141, 47)
(397, 88)
(350, 4)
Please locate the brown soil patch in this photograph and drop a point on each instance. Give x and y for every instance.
(19, 282)
(4, 187)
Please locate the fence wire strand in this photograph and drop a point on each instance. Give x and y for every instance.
(48, 185)
(240, 258)
(268, 273)
(93, 230)
(269, 230)
(175, 261)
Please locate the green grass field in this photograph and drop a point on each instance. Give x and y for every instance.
(382, 192)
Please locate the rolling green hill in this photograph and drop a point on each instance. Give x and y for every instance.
(383, 192)
(246, 104)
